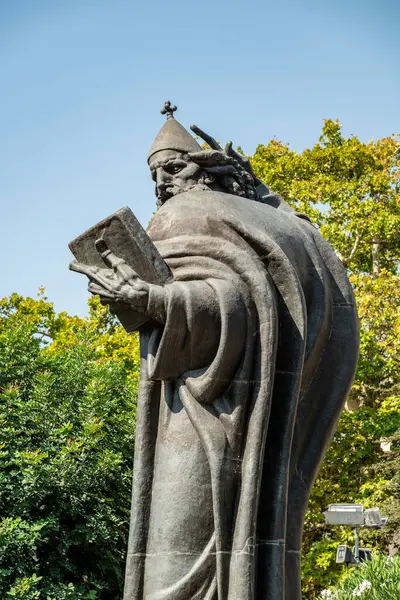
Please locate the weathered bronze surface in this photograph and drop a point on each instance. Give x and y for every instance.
(247, 355)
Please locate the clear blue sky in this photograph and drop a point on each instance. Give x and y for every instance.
(82, 82)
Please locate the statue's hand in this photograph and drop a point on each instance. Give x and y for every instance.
(119, 285)
(242, 160)
(115, 285)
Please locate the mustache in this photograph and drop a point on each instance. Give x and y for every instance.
(165, 193)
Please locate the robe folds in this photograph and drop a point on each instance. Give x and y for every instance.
(240, 391)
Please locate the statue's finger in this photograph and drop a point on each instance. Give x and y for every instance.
(103, 281)
(79, 267)
(112, 261)
(222, 170)
(125, 274)
(242, 160)
(209, 158)
(94, 288)
(207, 138)
(198, 157)
(228, 148)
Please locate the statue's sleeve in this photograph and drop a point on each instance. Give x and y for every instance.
(204, 320)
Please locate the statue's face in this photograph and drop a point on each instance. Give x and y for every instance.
(172, 173)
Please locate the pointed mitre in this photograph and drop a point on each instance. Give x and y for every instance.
(173, 136)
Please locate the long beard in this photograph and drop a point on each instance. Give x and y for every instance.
(203, 183)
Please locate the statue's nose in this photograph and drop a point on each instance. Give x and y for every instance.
(162, 178)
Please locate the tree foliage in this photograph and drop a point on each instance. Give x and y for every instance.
(349, 188)
(67, 409)
(351, 191)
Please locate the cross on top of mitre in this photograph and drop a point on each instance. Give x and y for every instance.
(172, 135)
(168, 109)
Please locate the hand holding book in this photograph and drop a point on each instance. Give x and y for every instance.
(130, 276)
(118, 284)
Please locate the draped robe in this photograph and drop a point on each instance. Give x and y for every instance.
(240, 391)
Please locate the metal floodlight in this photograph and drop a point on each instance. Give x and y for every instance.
(364, 554)
(384, 520)
(358, 555)
(343, 554)
(351, 515)
(373, 519)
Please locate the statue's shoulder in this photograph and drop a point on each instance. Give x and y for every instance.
(193, 203)
(203, 213)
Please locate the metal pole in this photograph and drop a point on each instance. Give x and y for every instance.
(356, 545)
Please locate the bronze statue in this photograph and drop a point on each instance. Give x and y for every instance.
(247, 352)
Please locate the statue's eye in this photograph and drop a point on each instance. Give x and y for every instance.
(173, 169)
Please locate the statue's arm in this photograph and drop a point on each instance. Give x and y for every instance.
(197, 315)
(156, 307)
(204, 321)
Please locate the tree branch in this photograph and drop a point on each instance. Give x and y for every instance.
(43, 334)
(346, 260)
(375, 258)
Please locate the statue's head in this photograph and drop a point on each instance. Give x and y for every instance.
(175, 172)
(179, 164)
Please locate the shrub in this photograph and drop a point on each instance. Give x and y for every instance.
(378, 579)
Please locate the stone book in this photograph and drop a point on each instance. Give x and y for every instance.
(127, 239)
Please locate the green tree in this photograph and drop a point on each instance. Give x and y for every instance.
(67, 409)
(349, 188)
(351, 191)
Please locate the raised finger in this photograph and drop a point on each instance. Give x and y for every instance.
(111, 260)
(207, 138)
(228, 148)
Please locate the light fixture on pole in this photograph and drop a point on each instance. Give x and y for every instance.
(353, 515)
